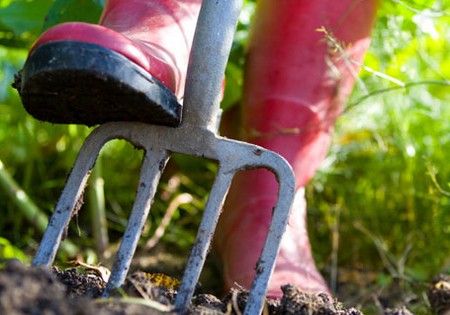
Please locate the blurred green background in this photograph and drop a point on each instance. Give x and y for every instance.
(379, 207)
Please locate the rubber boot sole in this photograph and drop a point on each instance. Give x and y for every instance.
(73, 82)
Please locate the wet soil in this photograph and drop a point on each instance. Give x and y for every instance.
(36, 291)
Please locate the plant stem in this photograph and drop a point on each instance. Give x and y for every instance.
(29, 209)
(97, 210)
(21, 200)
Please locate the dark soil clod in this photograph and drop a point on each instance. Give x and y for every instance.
(439, 294)
(36, 291)
(77, 284)
(297, 302)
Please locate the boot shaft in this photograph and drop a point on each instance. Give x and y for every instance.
(296, 82)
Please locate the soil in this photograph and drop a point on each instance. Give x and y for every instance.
(36, 291)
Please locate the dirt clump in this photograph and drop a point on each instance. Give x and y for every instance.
(78, 284)
(25, 290)
(439, 294)
(297, 302)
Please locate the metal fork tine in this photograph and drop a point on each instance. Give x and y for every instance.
(71, 194)
(203, 240)
(266, 263)
(152, 167)
(241, 156)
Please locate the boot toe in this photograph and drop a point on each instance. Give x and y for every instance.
(83, 83)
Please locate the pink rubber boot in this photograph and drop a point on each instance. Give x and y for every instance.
(295, 87)
(132, 66)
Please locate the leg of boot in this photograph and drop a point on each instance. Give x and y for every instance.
(136, 40)
(294, 90)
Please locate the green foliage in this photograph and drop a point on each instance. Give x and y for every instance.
(21, 21)
(73, 10)
(9, 251)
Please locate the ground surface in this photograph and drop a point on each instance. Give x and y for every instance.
(31, 290)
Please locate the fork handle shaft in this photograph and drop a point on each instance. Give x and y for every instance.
(209, 55)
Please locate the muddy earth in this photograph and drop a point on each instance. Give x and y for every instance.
(36, 291)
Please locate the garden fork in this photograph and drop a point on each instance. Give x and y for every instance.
(197, 136)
